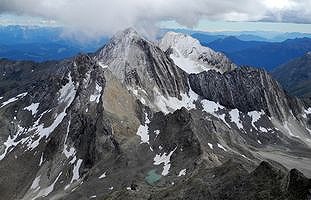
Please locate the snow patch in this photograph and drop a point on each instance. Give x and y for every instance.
(306, 112)
(103, 175)
(235, 117)
(102, 65)
(263, 129)
(20, 96)
(69, 153)
(221, 147)
(75, 173)
(33, 108)
(41, 159)
(96, 96)
(182, 172)
(171, 104)
(72, 151)
(73, 160)
(165, 159)
(11, 142)
(46, 191)
(139, 93)
(255, 115)
(212, 107)
(143, 131)
(188, 65)
(157, 132)
(35, 183)
(210, 145)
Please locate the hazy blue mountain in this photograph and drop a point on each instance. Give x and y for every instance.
(266, 55)
(295, 76)
(38, 51)
(250, 37)
(41, 44)
(294, 35)
(232, 44)
(205, 38)
(11, 35)
(265, 36)
(272, 55)
(269, 36)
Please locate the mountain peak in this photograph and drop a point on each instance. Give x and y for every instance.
(126, 37)
(139, 63)
(183, 41)
(122, 44)
(127, 33)
(191, 56)
(231, 38)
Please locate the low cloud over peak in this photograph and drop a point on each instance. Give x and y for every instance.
(103, 17)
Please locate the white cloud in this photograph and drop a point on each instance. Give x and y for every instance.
(98, 17)
(280, 4)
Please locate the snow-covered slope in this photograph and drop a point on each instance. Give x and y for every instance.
(191, 56)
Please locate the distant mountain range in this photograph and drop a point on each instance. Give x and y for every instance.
(207, 38)
(261, 54)
(295, 76)
(39, 51)
(266, 36)
(41, 44)
(243, 48)
(232, 44)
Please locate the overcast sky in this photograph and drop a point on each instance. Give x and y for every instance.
(103, 17)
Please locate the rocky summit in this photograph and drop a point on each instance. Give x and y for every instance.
(150, 120)
(191, 56)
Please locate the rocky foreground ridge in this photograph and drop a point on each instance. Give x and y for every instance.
(128, 123)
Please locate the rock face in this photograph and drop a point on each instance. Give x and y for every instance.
(78, 129)
(246, 89)
(295, 76)
(191, 56)
(20, 73)
(232, 181)
(62, 119)
(138, 62)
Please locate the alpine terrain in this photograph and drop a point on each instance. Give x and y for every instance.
(150, 120)
(295, 76)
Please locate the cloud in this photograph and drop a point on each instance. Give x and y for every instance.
(103, 17)
(291, 11)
